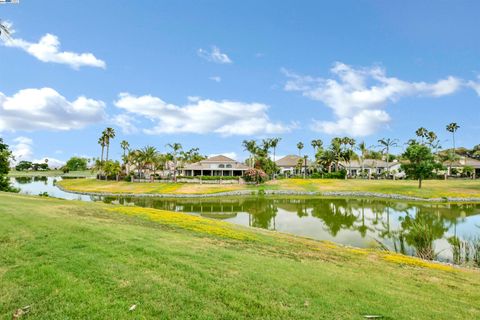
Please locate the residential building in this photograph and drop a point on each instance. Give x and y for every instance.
(215, 166)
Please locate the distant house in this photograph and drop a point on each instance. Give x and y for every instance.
(370, 167)
(289, 165)
(464, 162)
(215, 166)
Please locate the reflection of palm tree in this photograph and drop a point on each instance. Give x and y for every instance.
(336, 214)
(262, 212)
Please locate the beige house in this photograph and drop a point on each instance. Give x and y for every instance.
(464, 162)
(218, 166)
(290, 164)
(371, 166)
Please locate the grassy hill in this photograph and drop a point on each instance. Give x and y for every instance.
(76, 260)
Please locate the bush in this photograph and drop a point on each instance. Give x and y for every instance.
(208, 178)
(255, 175)
(335, 175)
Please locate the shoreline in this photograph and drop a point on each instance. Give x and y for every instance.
(243, 193)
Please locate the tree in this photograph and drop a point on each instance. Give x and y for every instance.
(125, 147)
(148, 155)
(316, 144)
(109, 134)
(176, 147)
(422, 133)
(23, 165)
(5, 156)
(102, 143)
(300, 147)
(386, 144)
(76, 164)
(251, 147)
(421, 162)
(274, 143)
(4, 30)
(452, 128)
(362, 147)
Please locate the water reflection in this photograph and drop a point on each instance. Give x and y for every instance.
(409, 228)
(425, 230)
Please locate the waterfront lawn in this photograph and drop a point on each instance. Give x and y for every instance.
(75, 260)
(431, 188)
(52, 173)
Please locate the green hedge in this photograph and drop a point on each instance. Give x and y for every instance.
(209, 178)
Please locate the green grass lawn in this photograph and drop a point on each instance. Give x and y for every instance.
(51, 173)
(431, 188)
(76, 260)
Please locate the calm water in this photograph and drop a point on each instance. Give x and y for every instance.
(398, 226)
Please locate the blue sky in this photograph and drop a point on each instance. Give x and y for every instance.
(213, 73)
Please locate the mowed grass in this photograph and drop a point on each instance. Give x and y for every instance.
(75, 260)
(431, 188)
(52, 173)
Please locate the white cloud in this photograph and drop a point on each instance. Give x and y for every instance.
(22, 149)
(46, 109)
(52, 162)
(202, 116)
(125, 122)
(475, 85)
(216, 78)
(214, 55)
(358, 97)
(47, 49)
(231, 155)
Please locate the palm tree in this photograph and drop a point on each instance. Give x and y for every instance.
(316, 144)
(251, 147)
(422, 133)
(362, 147)
(101, 142)
(349, 143)
(300, 147)
(4, 30)
(176, 147)
(453, 127)
(274, 143)
(387, 143)
(108, 133)
(125, 146)
(148, 155)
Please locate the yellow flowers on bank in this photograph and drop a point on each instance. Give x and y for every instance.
(411, 261)
(189, 222)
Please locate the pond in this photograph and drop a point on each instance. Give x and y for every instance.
(438, 231)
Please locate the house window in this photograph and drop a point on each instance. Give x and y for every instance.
(221, 166)
(228, 166)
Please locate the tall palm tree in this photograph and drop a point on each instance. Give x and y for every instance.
(176, 148)
(349, 143)
(453, 127)
(109, 133)
(386, 144)
(362, 147)
(125, 146)
(251, 147)
(102, 143)
(316, 144)
(422, 133)
(274, 143)
(148, 155)
(300, 147)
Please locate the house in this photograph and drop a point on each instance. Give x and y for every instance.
(289, 165)
(215, 166)
(371, 167)
(464, 162)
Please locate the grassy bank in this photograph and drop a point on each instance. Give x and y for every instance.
(78, 260)
(431, 188)
(52, 173)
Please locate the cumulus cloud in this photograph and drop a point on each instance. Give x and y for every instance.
(47, 49)
(45, 108)
(125, 122)
(214, 55)
(202, 116)
(52, 162)
(358, 96)
(22, 149)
